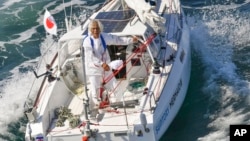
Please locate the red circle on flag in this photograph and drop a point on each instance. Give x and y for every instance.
(49, 23)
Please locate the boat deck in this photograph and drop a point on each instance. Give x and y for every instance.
(114, 116)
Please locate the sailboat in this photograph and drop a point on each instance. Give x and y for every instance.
(151, 81)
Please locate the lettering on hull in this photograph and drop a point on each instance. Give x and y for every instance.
(167, 110)
(177, 90)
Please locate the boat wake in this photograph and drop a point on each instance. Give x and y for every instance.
(14, 92)
(220, 37)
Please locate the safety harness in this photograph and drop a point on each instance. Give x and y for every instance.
(92, 42)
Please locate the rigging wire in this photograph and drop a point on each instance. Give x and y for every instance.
(37, 67)
(141, 47)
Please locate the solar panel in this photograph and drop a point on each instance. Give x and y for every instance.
(114, 21)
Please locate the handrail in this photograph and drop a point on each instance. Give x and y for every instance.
(43, 82)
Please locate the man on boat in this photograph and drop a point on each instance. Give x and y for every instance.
(97, 58)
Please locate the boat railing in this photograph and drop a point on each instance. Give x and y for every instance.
(154, 102)
(171, 50)
(68, 49)
(30, 106)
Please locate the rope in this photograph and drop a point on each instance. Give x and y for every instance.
(141, 48)
(123, 76)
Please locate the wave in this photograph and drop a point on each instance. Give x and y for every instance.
(13, 94)
(217, 37)
(9, 3)
(219, 5)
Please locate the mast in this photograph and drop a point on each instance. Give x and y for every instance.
(87, 131)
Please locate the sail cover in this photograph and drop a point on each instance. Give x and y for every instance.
(147, 15)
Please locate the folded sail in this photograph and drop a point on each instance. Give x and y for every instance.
(146, 13)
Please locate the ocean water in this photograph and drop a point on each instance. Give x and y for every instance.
(219, 90)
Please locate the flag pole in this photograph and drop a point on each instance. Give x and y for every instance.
(50, 27)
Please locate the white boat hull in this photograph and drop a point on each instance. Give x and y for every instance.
(140, 113)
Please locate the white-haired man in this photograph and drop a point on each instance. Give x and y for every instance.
(97, 57)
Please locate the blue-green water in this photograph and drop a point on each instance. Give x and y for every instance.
(219, 89)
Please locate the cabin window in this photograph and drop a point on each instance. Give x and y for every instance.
(182, 55)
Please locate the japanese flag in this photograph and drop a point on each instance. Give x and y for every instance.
(49, 23)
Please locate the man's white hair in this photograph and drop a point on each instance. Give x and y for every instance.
(95, 21)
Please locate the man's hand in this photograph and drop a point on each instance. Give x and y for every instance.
(105, 67)
(135, 39)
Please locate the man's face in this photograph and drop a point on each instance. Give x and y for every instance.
(95, 30)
